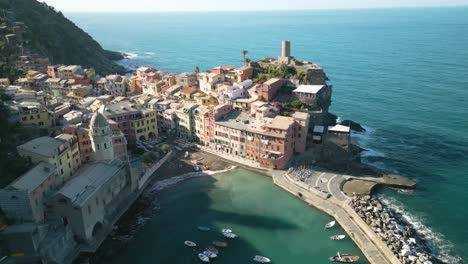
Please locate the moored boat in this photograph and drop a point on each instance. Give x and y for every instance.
(330, 224)
(344, 258)
(229, 235)
(225, 230)
(212, 249)
(209, 254)
(337, 237)
(220, 244)
(261, 259)
(190, 243)
(203, 257)
(203, 228)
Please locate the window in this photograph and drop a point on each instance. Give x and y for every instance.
(105, 145)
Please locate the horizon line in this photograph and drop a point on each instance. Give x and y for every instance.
(262, 10)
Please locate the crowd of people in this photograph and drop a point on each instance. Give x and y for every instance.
(300, 173)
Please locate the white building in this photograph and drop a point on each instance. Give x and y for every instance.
(234, 92)
(208, 81)
(116, 84)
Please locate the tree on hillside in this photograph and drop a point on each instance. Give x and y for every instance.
(244, 53)
(165, 148)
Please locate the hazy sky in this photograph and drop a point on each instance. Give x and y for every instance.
(234, 5)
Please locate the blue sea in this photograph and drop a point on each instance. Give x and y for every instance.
(403, 73)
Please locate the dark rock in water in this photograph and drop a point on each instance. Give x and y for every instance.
(353, 125)
(330, 119)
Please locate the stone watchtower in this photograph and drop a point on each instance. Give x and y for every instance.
(285, 52)
(101, 137)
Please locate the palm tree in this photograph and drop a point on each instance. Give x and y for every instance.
(196, 70)
(244, 53)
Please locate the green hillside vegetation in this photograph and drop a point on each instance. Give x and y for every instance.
(11, 164)
(51, 34)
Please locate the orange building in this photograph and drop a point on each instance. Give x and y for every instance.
(135, 85)
(84, 142)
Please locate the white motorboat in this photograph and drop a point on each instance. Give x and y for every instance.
(330, 224)
(230, 235)
(203, 257)
(261, 259)
(190, 243)
(225, 230)
(210, 254)
(337, 237)
(344, 258)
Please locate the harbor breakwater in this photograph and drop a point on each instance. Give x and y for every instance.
(400, 236)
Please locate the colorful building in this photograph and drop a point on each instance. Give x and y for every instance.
(56, 152)
(145, 126)
(269, 89)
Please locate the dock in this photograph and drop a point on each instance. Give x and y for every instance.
(365, 185)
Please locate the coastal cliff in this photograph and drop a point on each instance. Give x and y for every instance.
(50, 34)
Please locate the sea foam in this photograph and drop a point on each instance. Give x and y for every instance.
(439, 245)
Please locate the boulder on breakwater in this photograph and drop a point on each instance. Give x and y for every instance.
(400, 236)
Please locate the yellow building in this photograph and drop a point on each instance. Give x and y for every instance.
(203, 99)
(35, 117)
(145, 126)
(61, 152)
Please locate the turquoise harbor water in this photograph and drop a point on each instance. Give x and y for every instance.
(401, 72)
(269, 222)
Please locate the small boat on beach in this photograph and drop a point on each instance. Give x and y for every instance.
(230, 235)
(225, 230)
(203, 257)
(190, 243)
(203, 228)
(209, 254)
(330, 224)
(261, 259)
(220, 244)
(205, 167)
(344, 258)
(337, 237)
(212, 249)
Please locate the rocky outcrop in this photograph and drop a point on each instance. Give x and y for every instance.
(353, 125)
